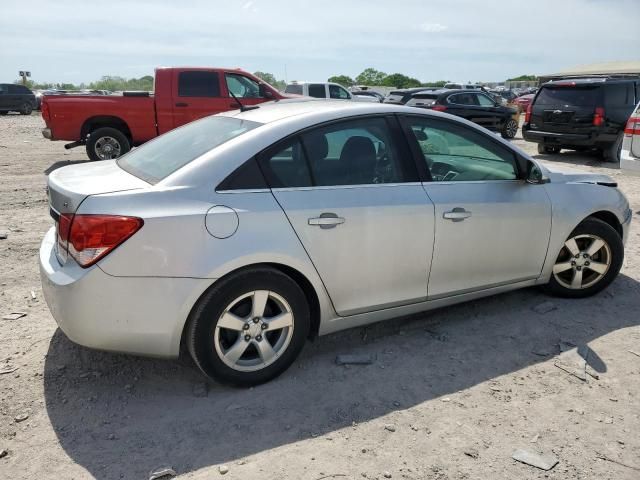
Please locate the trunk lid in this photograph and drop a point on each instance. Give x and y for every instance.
(566, 108)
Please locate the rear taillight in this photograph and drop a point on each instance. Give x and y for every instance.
(598, 117)
(439, 108)
(88, 238)
(527, 116)
(44, 109)
(633, 126)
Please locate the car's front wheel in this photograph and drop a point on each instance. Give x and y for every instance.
(249, 327)
(588, 262)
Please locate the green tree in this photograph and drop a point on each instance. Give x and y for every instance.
(343, 80)
(398, 80)
(371, 76)
(523, 78)
(271, 80)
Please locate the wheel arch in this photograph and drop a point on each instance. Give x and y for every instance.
(100, 121)
(303, 282)
(609, 218)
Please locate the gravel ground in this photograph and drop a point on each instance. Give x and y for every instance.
(450, 395)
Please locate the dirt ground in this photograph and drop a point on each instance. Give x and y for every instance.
(451, 394)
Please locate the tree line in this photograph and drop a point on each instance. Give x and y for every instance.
(369, 77)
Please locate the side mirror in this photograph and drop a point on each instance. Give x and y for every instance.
(420, 135)
(535, 175)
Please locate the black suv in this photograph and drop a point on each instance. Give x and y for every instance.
(581, 114)
(403, 95)
(16, 98)
(474, 105)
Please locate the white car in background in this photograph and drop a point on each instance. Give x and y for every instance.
(330, 90)
(630, 153)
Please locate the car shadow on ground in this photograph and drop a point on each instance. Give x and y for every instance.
(120, 416)
(62, 163)
(572, 157)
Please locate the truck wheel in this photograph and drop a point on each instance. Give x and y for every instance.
(107, 143)
(26, 109)
(612, 152)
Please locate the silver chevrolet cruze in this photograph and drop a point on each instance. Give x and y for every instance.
(243, 234)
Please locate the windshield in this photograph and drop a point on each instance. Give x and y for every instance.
(161, 157)
(574, 96)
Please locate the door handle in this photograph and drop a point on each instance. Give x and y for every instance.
(326, 220)
(182, 104)
(458, 214)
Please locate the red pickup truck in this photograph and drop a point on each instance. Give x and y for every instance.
(109, 125)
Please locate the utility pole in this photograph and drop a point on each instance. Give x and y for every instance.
(24, 74)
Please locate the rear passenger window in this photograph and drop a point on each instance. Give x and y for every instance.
(198, 84)
(286, 166)
(317, 91)
(620, 95)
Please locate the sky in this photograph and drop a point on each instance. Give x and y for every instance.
(460, 40)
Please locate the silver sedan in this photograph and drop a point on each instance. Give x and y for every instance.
(243, 234)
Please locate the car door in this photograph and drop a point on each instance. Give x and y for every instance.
(491, 115)
(244, 88)
(4, 97)
(196, 94)
(14, 97)
(338, 93)
(491, 227)
(351, 192)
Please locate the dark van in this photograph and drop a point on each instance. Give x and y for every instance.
(16, 98)
(581, 114)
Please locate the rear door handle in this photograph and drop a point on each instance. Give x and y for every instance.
(326, 220)
(182, 104)
(458, 214)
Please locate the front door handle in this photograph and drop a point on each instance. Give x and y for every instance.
(326, 220)
(458, 214)
(182, 104)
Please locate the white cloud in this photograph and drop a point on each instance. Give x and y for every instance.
(432, 27)
(247, 5)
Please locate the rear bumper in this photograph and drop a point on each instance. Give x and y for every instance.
(138, 315)
(596, 139)
(46, 133)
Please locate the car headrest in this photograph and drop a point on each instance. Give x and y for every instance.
(317, 146)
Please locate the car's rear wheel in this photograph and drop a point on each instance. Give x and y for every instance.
(249, 327)
(107, 143)
(547, 149)
(588, 262)
(510, 129)
(26, 109)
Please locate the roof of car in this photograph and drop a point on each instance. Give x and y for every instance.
(587, 81)
(273, 111)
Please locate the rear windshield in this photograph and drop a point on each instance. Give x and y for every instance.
(575, 96)
(159, 158)
(295, 89)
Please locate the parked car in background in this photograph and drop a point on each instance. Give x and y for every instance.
(334, 91)
(476, 106)
(504, 96)
(582, 114)
(523, 101)
(16, 98)
(630, 154)
(221, 236)
(368, 93)
(109, 125)
(463, 86)
(403, 95)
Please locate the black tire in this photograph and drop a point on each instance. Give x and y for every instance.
(117, 140)
(613, 151)
(4, 112)
(604, 231)
(26, 109)
(510, 129)
(547, 149)
(200, 333)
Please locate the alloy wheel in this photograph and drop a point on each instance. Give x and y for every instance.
(254, 331)
(583, 261)
(512, 128)
(107, 148)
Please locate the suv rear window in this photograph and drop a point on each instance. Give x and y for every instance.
(162, 156)
(295, 89)
(574, 96)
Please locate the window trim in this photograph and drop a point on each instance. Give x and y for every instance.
(519, 161)
(397, 136)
